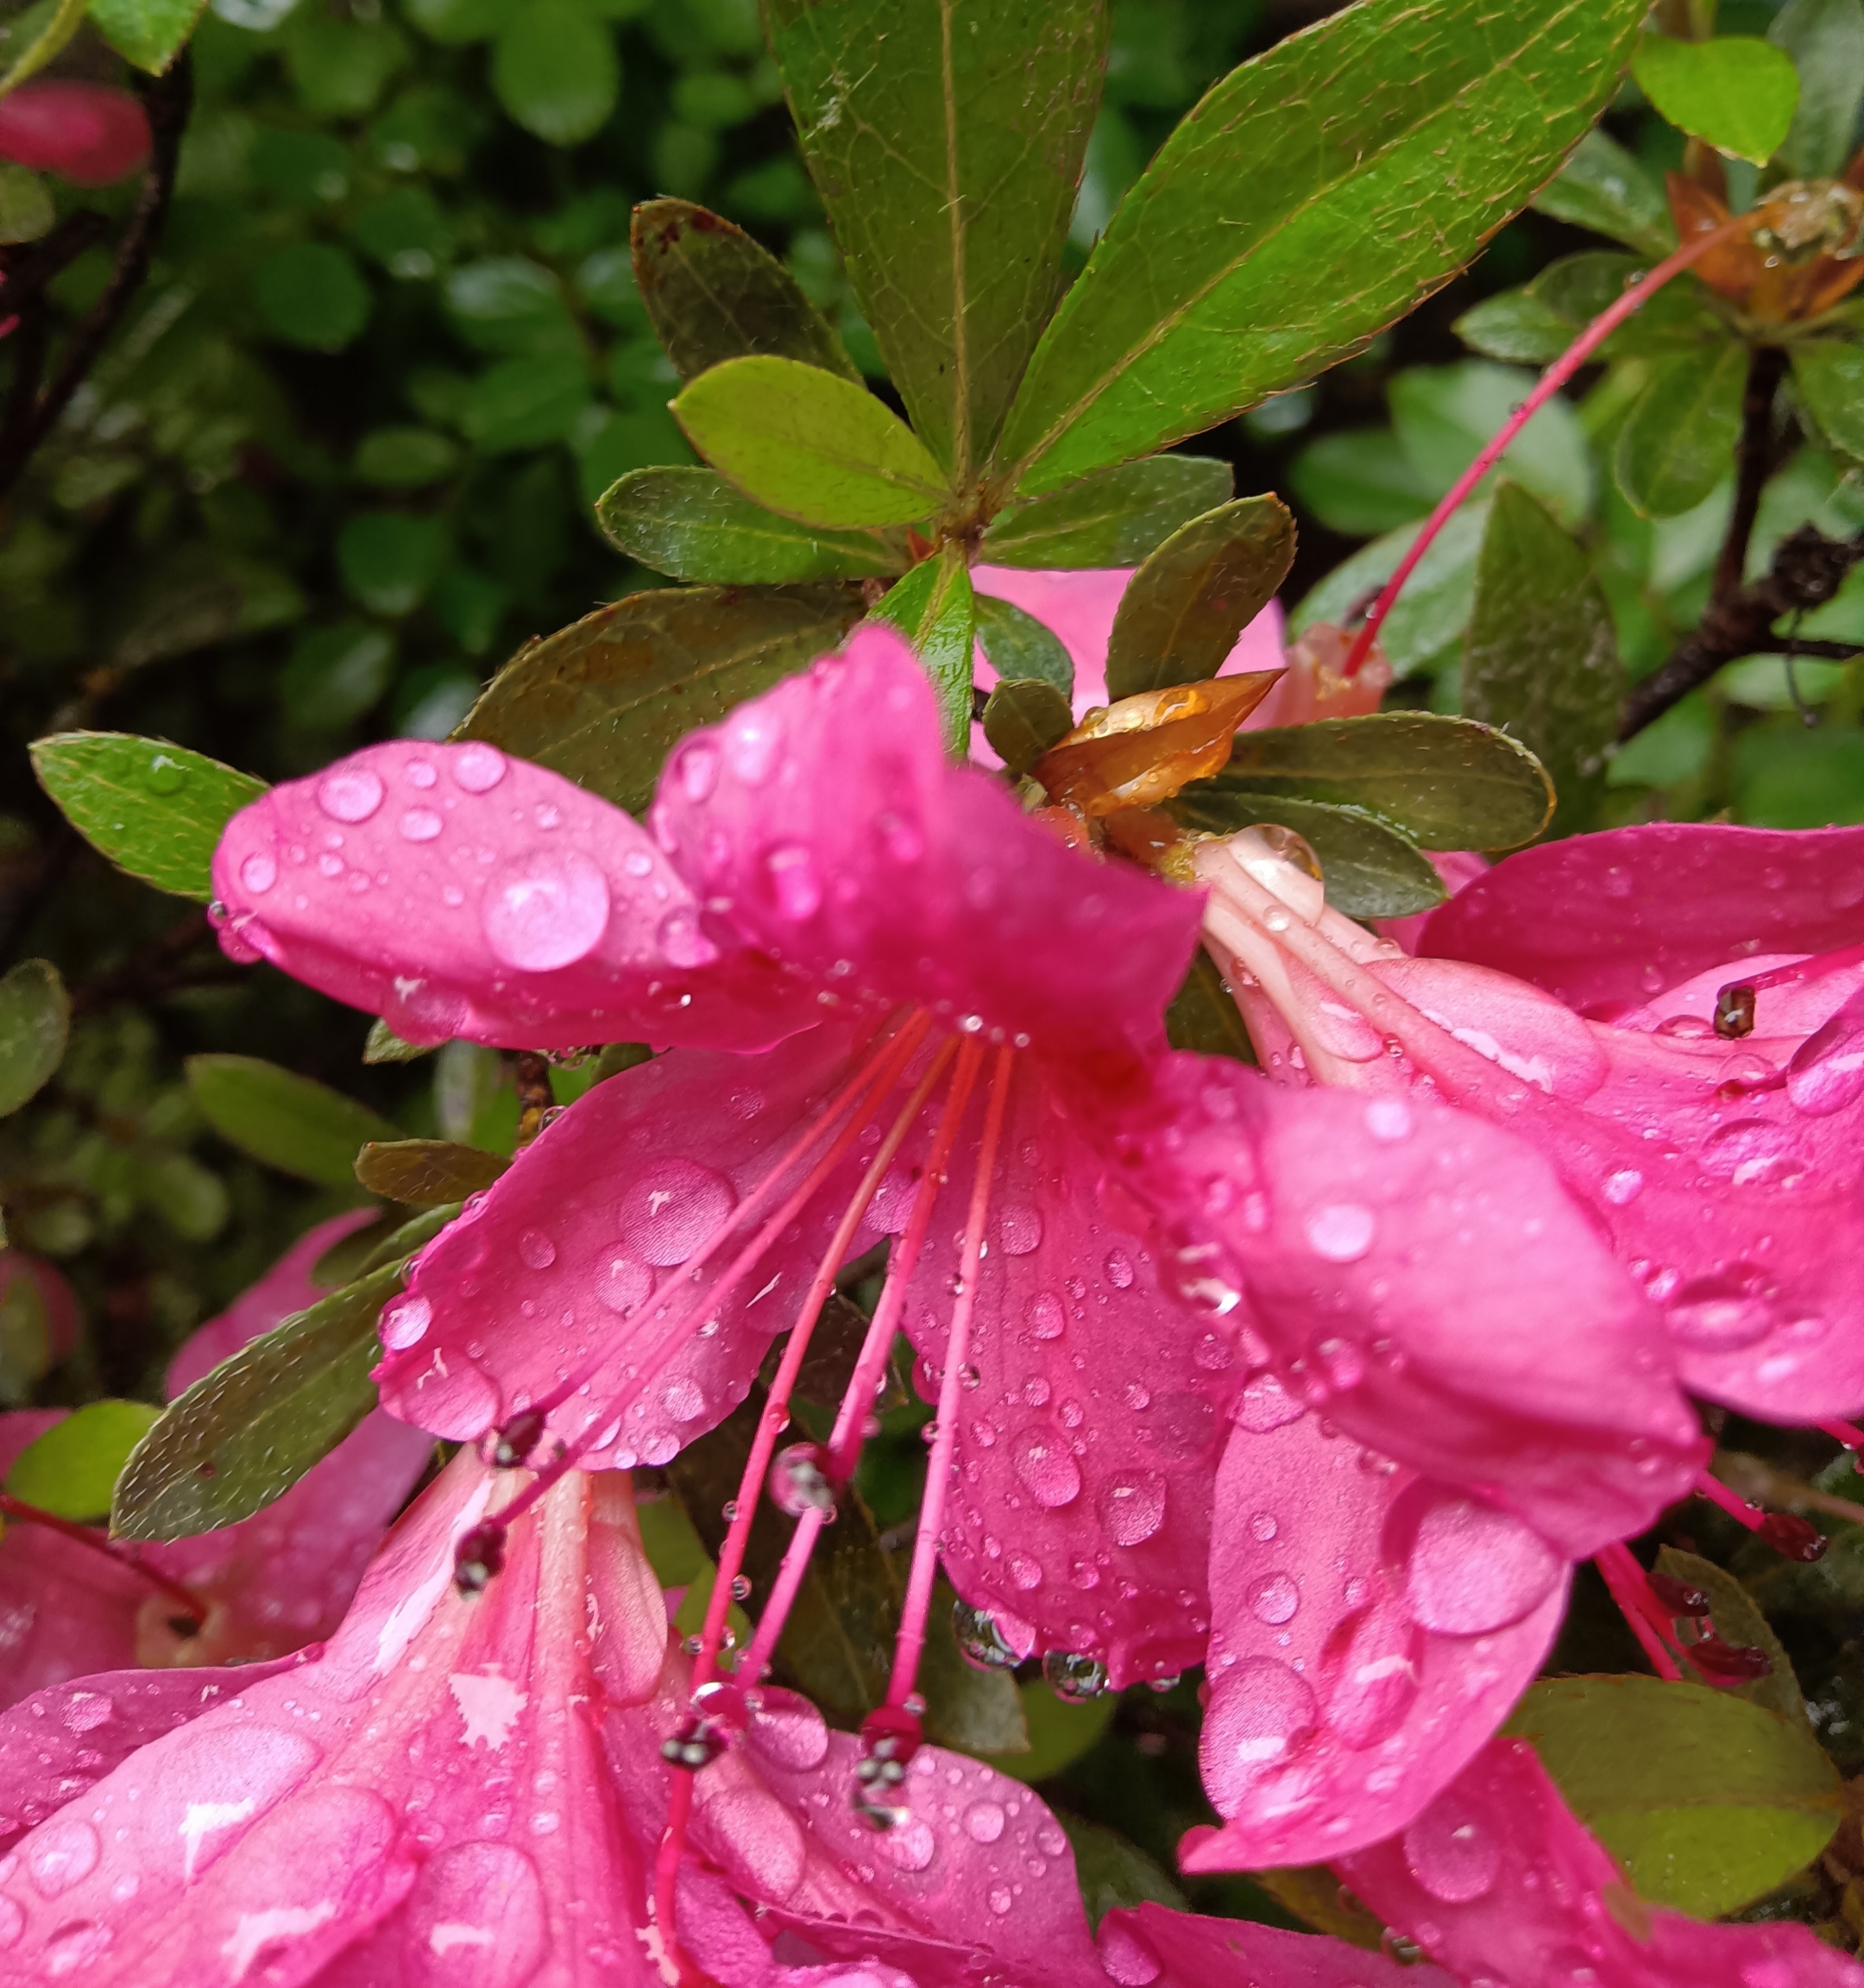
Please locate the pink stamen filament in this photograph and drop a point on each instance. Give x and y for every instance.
(911, 1643)
(1545, 388)
(1815, 968)
(95, 1542)
(1632, 1592)
(1849, 1433)
(1737, 1508)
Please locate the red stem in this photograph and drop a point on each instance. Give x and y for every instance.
(87, 1537)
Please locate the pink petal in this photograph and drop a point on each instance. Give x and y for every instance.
(826, 823)
(1148, 1945)
(1424, 1274)
(1498, 1881)
(84, 132)
(1370, 1632)
(1605, 921)
(455, 892)
(1456, 870)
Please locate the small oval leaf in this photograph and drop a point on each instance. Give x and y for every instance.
(426, 1172)
(69, 1471)
(292, 1122)
(34, 1021)
(1015, 643)
(1113, 518)
(1024, 717)
(693, 524)
(1737, 93)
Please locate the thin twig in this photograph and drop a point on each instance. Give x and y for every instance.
(28, 275)
(1753, 461)
(1822, 651)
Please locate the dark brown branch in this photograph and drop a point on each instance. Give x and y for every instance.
(1753, 464)
(167, 99)
(1820, 651)
(1808, 570)
(28, 275)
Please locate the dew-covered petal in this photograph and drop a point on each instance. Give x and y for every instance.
(1149, 1947)
(1607, 920)
(577, 1258)
(455, 892)
(825, 821)
(1424, 1275)
(1497, 1880)
(1370, 1630)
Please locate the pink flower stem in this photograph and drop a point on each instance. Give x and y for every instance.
(1737, 1508)
(1631, 1591)
(1814, 968)
(1545, 388)
(907, 1651)
(1849, 1433)
(94, 1542)
(667, 1858)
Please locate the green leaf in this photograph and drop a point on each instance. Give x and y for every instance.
(1825, 39)
(1242, 263)
(506, 304)
(936, 610)
(1371, 870)
(1707, 1800)
(1540, 660)
(1114, 1873)
(1735, 1617)
(1059, 1730)
(404, 458)
(1446, 783)
(149, 34)
(806, 443)
(1609, 190)
(1677, 441)
(1022, 718)
(426, 1172)
(946, 143)
(389, 559)
(1359, 482)
(335, 674)
(154, 809)
(604, 701)
(526, 402)
(384, 1046)
(1018, 645)
(1112, 518)
(1204, 1016)
(70, 1470)
(245, 1433)
(1516, 325)
(313, 294)
(1444, 415)
(1183, 610)
(1829, 374)
(35, 1021)
(1539, 323)
(554, 70)
(692, 524)
(712, 294)
(292, 1122)
(1737, 93)
(26, 209)
(1434, 605)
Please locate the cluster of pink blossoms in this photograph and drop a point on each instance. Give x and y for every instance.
(1321, 1375)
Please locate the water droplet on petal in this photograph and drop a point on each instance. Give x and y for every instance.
(536, 1251)
(258, 872)
(1047, 1470)
(1260, 1710)
(1074, 1677)
(61, 1853)
(1452, 1854)
(1723, 1311)
(1752, 1152)
(421, 825)
(1469, 1569)
(682, 940)
(1133, 1509)
(545, 909)
(1044, 1315)
(753, 740)
(1266, 1404)
(795, 887)
(1275, 1600)
(405, 1323)
(1389, 1120)
(1126, 1957)
(1373, 1662)
(683, 1400)
(477, 767)
(624, 1285)
(1118, 1269)
(1019, 1229)
(984, 1821)
(697, 769)
(349, 793)
(1342, 1231)
(675, 1207)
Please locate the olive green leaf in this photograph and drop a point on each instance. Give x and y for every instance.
(1611, 191)
(1371, 870)
(425, 1173)
(712, 294)
(1022, 718)
(693, 524)
(1112, 1872)
(35, 1021)
(1678, 439)
(1202, 1014)
(1112, 518)
(69, 1470)
(946, 140)
(1737, 93)
(936, 610)
(1018, 645)
(384, 1046)
(806, 443)
(604, 701)
(1735, 1617)
(154, 809)
(1825, 39)
(1241, 263)
(1183, 610)
(292, 1122)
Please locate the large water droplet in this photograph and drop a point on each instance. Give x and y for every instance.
(984, 1821)
(1469, 1569)
(1342, 1231)
(1132, 1509)
(1019, 1229)
(545, 909)
(1126, 1957)
(1118, 1269)
(984, 1642)
(1266, 1404)
(1827, 1070)
(1723, 1311)
(405, 1323)
(1752, 1152)
(259, 872)
(1452, 1854)
(1044, 1315)
(421, 825)
(1275, 1600)
(788, 1731)
(1047, 1470)
(683, 941)
(477, 767)
(666, 1215)
(1373, 1661)
(753, 740)
(61, 1853)
(349, 792)
(910, 1846)
(476, 1915)
(795, 889)
(1260, 1710)
(1074, 1677)
(624, 1285)
(164, 774)
(535, 1251)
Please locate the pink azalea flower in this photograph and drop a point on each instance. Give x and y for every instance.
(268, 1584)
(1149, 1947)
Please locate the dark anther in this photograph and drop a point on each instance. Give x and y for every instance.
(517, 1438)
(479, 1556)
(185, 1626)
(1797, 1538)
(1729, 1663)
(1735, 1011)
(1678, 1598)
(697, 1743)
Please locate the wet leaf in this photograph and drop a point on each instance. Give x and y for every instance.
(712, 294)
(1113, 1872)
(802, 442)
(946, 143)
(1611, 191)
(1737, 1619)
(292, 1122)
(1675, 445)
(693, 524)
(1371, 870)
(1540, 659)
(1446, 782)
(35, 1021)
(154, 809)
(1112, 518)
(604, 701)
(70, 1470)
(936, 610)
(1022, 718)
(1708, 1802)
(1736, 92)
(1241, 263)
(1825, 39)
(425, 1173)
(1183, 610)
(1016, 643)
(1203, 1017)
(245, 1433)
(149, 33)
(1829, 374)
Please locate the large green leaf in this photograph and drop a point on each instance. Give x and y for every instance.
(945, 138)
(1611, 191)
(1183, 609)
(1708, 1801)
(1735, 1617)
(1244, 262)
(1825, 39)
(712, 294)
(1446, 782)
(1829, 374)
(692, 524)
(1359, 482)
(604, 701)
(35, 1021)
(1540, 660)
(816, 448)
(292, 1122)
(69, 1470)
(149, 33)
(1676, 442)
(1371, 870)
(154, 809)
(1737, 93)
(936, 610)
(1022, 718)
(1112, 518)
(1016, 643)
(245, 1433)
